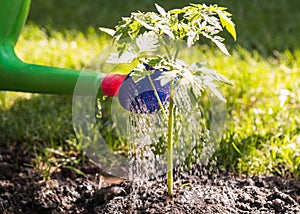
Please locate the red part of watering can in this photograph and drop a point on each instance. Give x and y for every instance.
(111, 83)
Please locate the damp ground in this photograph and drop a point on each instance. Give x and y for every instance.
(23, 190)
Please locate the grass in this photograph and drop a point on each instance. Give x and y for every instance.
(262, 132)
(263, 114)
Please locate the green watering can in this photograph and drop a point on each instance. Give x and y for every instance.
(16, 75)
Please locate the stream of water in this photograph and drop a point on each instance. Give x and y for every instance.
(198, 127)
(194, 143)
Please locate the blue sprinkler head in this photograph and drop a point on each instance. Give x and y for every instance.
(140, 97)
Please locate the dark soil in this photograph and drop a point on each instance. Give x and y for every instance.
(22, 190)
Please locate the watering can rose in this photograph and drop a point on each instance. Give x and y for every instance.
(137, 97)
(144, 96)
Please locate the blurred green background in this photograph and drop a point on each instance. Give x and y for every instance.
(262, 132)
(265, 26)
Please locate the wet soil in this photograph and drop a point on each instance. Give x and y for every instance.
(23, 190)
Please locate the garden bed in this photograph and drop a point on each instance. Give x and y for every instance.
(22, 190)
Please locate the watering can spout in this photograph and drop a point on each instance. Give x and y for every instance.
(16, 75)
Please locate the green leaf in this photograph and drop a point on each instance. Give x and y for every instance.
(152, 61)
(187, 78)
(133, 28)
(218, 41)
(191, 38)
(227, 23)
(161, 10)
(77, 171)
(146, 25)
(214, 74)
(177, 11)
(167, 77)
(139, 73)
(147, 42)
(208, 82)
(126, 57)
(221, 46)
(169, 33)
(122, 47)
(200, 6)
(108, 31)
(236, 148)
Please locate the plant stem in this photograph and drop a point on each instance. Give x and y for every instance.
(176, 53)
(158, 99)
(170, 142)
(165, 46)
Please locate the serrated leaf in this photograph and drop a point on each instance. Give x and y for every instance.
(147, 42)
(133, 28)
(198, 5)
(169, 33)
(176, 11)
(139, 73)
(214, 74)
(187, 78)
(151, 61)
(126, 57)
(144, 24)
(224, 79)
(108, 31)
(167, 77)
(216, 40)
(196, 66)
(208, 82)
(121, 48)
(222, 47)
(161, 10)
(191, 35)
(227, 23)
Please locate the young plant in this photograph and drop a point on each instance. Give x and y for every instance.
(150, 30)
